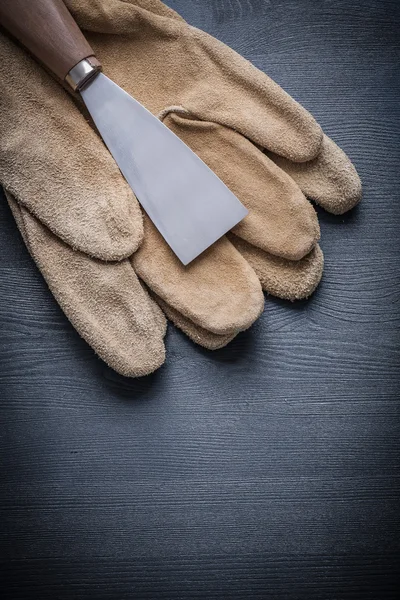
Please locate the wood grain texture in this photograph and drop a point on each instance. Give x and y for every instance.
(269, 469)
(48, 30)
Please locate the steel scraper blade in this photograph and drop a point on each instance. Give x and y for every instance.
(187, 202)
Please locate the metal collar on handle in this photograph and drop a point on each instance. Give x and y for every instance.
(82, 73)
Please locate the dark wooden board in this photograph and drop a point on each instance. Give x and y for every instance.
(269, 469)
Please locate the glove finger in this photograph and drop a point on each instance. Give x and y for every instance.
(287, 279)
(330, 179)
(281, 221)
(217, 291)
(290, 280)
(54, 164)
(198, 335)
(240, 96)
(105, 302)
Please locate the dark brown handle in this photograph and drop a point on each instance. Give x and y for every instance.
(48, 30)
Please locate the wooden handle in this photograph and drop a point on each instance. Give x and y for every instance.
(48, 30)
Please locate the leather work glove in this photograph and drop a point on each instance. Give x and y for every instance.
(72, 204)
(227, 111)
(52, 163)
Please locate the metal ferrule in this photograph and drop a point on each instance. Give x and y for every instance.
(82, 73)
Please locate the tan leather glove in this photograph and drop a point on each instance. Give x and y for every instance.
(52, 164)
(228, 112)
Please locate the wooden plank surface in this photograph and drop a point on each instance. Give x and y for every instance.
(269, 469)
